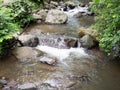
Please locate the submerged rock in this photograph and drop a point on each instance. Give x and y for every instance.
(56, 17)
(29, 40)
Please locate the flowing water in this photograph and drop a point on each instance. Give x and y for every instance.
(76, 68)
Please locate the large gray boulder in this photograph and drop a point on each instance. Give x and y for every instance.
(56, 17)
(29, 40)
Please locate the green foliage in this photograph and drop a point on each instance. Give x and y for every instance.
(21, 11)
(7, 28)
(108, 24)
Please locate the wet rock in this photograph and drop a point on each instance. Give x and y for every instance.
(90, 13)
(71, 42)
(27, 86)
(48, 60)
(25, 53)
(3, 82)
(70, 4)
(56, 17)
(29, 40)
(87, 41)
(65, 8)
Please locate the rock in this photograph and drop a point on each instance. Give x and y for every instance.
(71, 42)
(56, 17)
(42, 14)
(27, 53)
(91, 32)
(29, 40)
(3, 82)
(6, 88)
(81, 32)
(27, 86)
(54, 3)
(70, 84)
(90, 13)
(65, 8)
(87, 41)
(70, 4)
(52, 6)
(86, 31)
(12, 84)
(48, 60)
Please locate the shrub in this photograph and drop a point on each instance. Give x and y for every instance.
(7, 28)
(108, 24)
(21, 11)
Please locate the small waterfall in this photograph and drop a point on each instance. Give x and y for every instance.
(61, 54)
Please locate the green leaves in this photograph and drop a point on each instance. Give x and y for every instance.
(7, 28)
(108, 25)
(21, 11)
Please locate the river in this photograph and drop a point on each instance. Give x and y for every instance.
(76, 68)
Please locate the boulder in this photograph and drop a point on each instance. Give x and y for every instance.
(48, 60)
(27, 53)
(56, 17)
(70, 42)
(54, 3)
(29, 40)
(70, 4)
(87, 41)
(27, 86)
(3, 82)
(83, 31)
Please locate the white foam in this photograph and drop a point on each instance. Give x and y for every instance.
(61, 53)
(76, 10)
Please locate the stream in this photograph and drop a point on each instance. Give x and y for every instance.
(75, 69)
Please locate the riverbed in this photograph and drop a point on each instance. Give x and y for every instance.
(76, 68)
